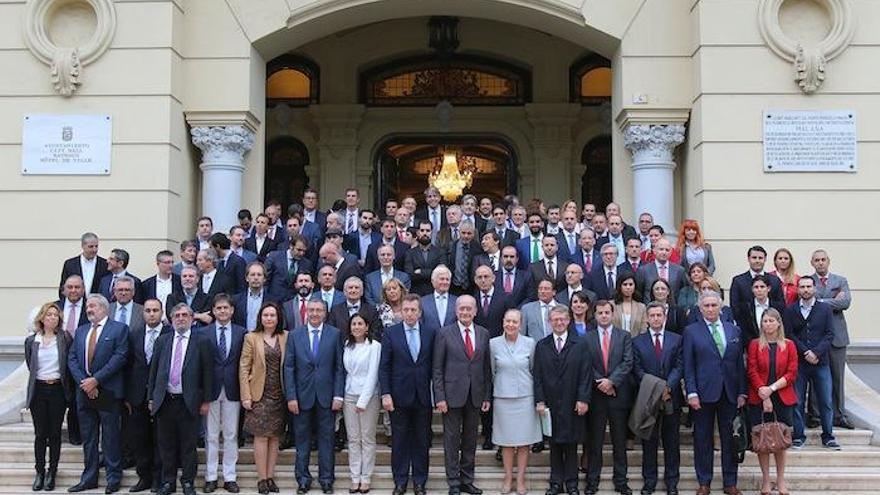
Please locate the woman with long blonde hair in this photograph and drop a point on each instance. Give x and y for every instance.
(783, 262)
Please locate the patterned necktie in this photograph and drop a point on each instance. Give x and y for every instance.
(349, 227)
(468, 343)
(492, 262)
(610, 283)
(315, 342)
(588, 262)
(151, 344)
(176, 362)
(113, 288)
(121, 316)
(558, 344)
(716, 336)
(664, 273)
(550, 271)
(221, 344)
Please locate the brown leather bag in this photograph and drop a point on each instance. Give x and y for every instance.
(770, 437)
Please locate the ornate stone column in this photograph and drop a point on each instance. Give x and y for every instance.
(223, 149)
(651, 146)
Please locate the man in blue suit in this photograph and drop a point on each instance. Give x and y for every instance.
(528, 248)
(438, 307)
(326, 290)
(714, 377)
(376, 279)
(587, 254)
(658, 353)
(282, 266)
(226, 340)
(357, 243)
(117, 266)
(96, 361)
(405, 382)
(810, 325)
(388, 236)
(512, 281)
(314, 384)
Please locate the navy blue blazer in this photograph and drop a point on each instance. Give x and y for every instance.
(107, 281)
(694, 315)
(670, 366)
(235, 269)
(137, 369)
(276, 274)
(815, 333)
(564, 253)
(351, 243)
(578, 259)
(314, 381)
(338, 297)
(430, 319)
(492, 319)
(408, 381)
(597, 283)
(373, 285)
(225, 373)
(371, 264)
(239, 302)
(524, 251)
(522, 282)
(706, 372)
(111, 355)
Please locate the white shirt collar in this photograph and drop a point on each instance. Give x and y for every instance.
(437, 295)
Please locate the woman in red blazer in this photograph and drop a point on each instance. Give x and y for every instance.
(772, 371)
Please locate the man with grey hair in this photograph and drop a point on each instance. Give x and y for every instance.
(87, 265)
(461, 253)
(714, 377)
(213, 281)
(451, 231)
(192, 296)
(469, 212)
(98, 372)
(124, 309)
(432, 212)
(340, 315)
(603, 278)
(331, 254)
(438, 307)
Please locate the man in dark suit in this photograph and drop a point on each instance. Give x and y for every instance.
(180, 388)
(87, 265)
(469, 213)
(225, 340)
(229, 263)
(139, 427)
(550, 266)
(587, 254)
(247, 304)
(283, 266)
(311, 213)
(512, 281)
(237, 236)
(420, 261)
(610, 349)
(574, 282)
(117, 267)
(617, 235)
(462, 389)
(567, 238)
(374, 281)
(433, 212)
(192, 295)
(452, 230)
(358, 242)
(460, 255)
(326, 289)
(741, 285)
(314, 384)
(529, 248)
(715, 382)
(295, 311)
(658, 353)
(332, 255)
(490, 256)
(438, 307)
(259, 242)
(603, 278)
(388, 236)
(563, 378)
(663, 268)
(633, 260)
(96, 362)
(161, 285)
(809, 323)
(212, 280)
(405, 372)
(614, 209)
(72, 304)
(340, 315)
(506, 236)
(748, 315)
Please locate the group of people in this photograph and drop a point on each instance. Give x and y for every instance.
(531, 323)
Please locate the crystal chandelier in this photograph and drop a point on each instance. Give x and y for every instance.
(453, 173)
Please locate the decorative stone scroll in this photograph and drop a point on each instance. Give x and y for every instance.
(67, 35)
(796, 40)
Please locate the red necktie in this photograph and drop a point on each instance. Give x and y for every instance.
(635, 266)
(658, 349)
(508, 282)
(606, 348)
(824, 281)
(588, 262)
(302, 310)
(468, 343)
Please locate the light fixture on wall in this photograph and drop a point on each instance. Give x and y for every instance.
(453, 173)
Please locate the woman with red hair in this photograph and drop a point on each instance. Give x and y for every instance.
(693, 247)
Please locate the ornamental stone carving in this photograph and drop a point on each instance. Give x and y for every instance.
(808, 34)
(223, 144)
(67, 35)
(650, 143)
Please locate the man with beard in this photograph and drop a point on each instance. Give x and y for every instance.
(421, 261)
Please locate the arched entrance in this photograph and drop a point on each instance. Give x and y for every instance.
(286, 178)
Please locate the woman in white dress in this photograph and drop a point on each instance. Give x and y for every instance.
(515, 424)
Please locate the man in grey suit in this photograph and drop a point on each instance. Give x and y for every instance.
(833, 289)
(124, 309)
(673, 273)
(536, 314)
(462, 388)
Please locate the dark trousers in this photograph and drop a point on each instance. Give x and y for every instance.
(837, 360)
(321, 420)
(705, 418)
(178, 432)
(601, 414)
(667, 431)
(563, 465)
(140, 431)
(486, 425)
(104, 425)
(410, 442)
(47, 410)
(460, 444)
(73, 433)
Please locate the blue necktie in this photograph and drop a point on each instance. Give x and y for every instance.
(222, 344)
(315, 342)
(413, 343)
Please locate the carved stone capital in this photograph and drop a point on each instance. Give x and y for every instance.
(223, 146)
(652, 144)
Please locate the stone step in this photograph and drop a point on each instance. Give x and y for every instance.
(863, 456)
(830, 479)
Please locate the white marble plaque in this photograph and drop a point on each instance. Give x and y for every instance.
(810, 141)
(66, 144)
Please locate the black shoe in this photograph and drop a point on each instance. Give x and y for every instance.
(498, 456)
(81, 487)
(572, 491)
(189, 488)
(272, 486)
(470, 488)
(128, 463)
(647, 490)
(49, 485)
(210, 486)
(327, 488)
(417, 490)
(145, 484)
(231, 487)
(39, 480)
(285, 444)
(623, 489)
(200, 443)
(303, 489)
(488, 445)
(844, 423)
(262, 487)
(538, 447)
(112, 488)
(157, 485)
(454, 490)
(553, 490)
(166, 489)
(591, 491)
(400, 490)
(672, 491)
(74, 440)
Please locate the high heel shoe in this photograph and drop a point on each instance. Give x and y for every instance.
(270, 484)
(262, 487)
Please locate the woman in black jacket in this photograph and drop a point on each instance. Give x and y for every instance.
(49, 389)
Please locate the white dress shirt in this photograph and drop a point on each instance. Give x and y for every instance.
(77, 311)
(759, 312)
(163, 288)
(207, 280)
(48, 367)
(88, 270)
